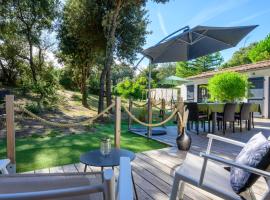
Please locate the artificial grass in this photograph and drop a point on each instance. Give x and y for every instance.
(36, 153)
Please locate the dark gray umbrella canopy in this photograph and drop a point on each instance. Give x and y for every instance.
(197, 42)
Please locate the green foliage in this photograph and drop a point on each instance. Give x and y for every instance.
(199, 65)
(240, 57)
(165, 70)
(121, 72)
(261, 51)
(66, 80)
(139, 88)
(228, 87)
(184, 70)
(33, 107)
(46, 86)
(132, 89)
(125, 88)
(254, 52)
(24, 26)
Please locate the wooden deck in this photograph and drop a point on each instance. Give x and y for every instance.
(153, 170)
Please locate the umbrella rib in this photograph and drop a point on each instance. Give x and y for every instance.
(213, 39)
(201, 36)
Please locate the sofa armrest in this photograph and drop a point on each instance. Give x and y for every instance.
(3, 166)
(234, 164)
(222, 139)
(125, 189)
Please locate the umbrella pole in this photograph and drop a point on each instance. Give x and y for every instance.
(149, 106)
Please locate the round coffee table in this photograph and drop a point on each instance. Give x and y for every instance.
(95, 158)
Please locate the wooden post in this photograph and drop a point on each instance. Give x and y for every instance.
(117, 134)
(129, 118)
(181, 112)
(150, 118)
(163, 107)
(10, 132)
(178, 94)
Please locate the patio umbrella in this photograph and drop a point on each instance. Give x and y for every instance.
(196, 42)
(173, 81)
(193, 43)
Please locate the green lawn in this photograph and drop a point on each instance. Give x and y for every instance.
(37, 153)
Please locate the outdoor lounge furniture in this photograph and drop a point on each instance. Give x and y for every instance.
(210, 176)
(228, 115)
(68, 185)
(3, 166)
(195, 115)
(244, 115)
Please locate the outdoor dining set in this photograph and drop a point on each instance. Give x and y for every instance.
(221, 114)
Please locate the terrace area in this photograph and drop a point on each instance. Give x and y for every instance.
(153, 170)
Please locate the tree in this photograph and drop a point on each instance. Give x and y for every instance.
(228, 87)
(240, 57)
(10, 63)
(125, 88)
(183, 69)
(81, 47)
(260, 51)
(132, 89)
(165, 70)
(32, 19)
(24, 25)
(124, 25)
(199, 65)
(121, 72)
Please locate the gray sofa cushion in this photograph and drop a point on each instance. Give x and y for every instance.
(216, 179)
(255, 154)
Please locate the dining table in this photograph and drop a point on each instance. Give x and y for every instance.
(213, 108)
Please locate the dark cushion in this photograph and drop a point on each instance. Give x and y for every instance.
(254, 154)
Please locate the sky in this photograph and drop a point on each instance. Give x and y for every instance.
(166, 18)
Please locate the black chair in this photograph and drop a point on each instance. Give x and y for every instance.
(228, 115)
(244, 115)
(195, 116)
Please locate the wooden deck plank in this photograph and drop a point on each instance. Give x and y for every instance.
(146, 186)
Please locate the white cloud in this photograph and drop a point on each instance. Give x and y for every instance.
(162, 24)
(248, 18)
(215, 10)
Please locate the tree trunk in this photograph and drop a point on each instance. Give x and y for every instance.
(84, 89)
(84, 95)
(101, 90)
(31, 62)
(108, 87)
(110, 36)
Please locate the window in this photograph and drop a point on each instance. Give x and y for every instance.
(190, 92)
(202, 93)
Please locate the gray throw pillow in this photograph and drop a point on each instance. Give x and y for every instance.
(255, 154)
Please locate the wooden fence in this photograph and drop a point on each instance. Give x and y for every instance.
(10, 124)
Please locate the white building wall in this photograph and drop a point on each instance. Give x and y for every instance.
(257, 73)
(266, 97)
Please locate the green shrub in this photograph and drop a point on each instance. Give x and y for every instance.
(228, 87)
(135, 89)
(33, 107)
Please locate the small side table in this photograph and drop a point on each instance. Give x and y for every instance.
(96, 159)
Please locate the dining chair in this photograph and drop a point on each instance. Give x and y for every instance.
(244, 114)
(228, 115)
(195, 116)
